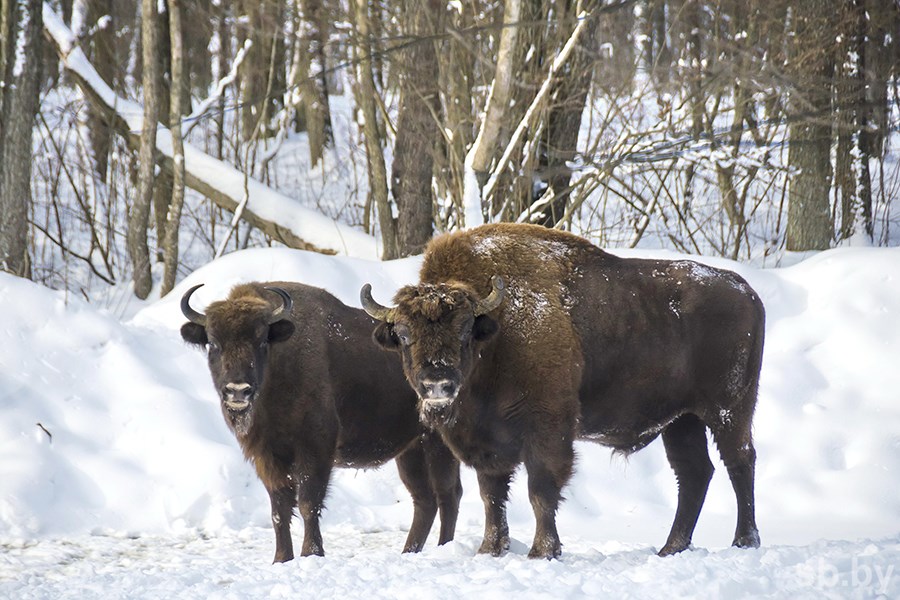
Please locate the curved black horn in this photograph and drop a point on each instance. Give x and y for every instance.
(286, 304)
(192, 315)
(375, 310)
(492, 300)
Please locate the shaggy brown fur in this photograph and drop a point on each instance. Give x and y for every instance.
(585, 345)
(318, 394)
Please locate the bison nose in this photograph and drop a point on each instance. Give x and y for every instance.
(438, 389)
(237, 396)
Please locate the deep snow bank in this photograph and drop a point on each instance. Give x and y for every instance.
(138, 444)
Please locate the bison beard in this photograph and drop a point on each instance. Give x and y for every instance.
(580, 344)
(437, 413)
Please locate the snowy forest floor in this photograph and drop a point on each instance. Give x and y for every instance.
(368, 564)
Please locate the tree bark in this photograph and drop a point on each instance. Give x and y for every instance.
(457, 64)
(484, 149)
(22, 23)
(136, 236)
(811, 66)
(378, 187)
(101, 52)
(417, 132)
(318, 113)
(163, 183)
(559, 145)
(173, 217)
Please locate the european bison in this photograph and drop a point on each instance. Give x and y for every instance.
(579, 344)
(303, 390)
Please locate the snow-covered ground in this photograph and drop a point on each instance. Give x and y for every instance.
(119, 479)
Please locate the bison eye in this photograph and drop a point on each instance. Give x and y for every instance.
(402, 333)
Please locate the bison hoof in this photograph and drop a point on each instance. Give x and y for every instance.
(494, 548)
(412, 548)
(670, 549)
(749, 540)
(548, 553)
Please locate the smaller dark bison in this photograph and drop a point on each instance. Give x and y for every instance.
(578, 343)
(304, 390)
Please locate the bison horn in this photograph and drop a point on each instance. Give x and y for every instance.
(286, 304)
(493, 300)
(375, 310)
(192, 315)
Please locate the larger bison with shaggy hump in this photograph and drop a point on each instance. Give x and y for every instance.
(520, 339)
(303, 389)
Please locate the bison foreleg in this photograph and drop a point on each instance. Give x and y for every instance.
(282, 501)
(443, 474)
(413, 470)
(545, 482)
(494, 493)
(685, 442)
(310, 502)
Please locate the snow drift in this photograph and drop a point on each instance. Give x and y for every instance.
(111, 431)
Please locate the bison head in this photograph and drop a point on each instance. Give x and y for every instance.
(437, 329)
(236, 333)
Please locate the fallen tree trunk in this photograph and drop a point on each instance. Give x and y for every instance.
(276, 215)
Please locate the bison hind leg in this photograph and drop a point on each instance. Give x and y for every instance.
(686, 449)
(733, 437)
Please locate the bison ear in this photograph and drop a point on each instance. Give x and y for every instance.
(194, 334)
(280, 330)
(384, 336)
(484, 328)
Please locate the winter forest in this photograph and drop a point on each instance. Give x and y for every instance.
(729, 128)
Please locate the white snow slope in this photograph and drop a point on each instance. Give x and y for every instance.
(119, 479)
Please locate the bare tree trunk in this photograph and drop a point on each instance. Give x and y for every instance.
(559, 145)
(223, 57)
(136, 236)
(262, 25)
(657, 53)
(163, 183)
(810, 225)
(198, 20)
(694, 72)
(862, 212)
(318, 113)
(378, 187)
(849, 98)
(484, 149)
(173, 218)
(457, 63)
(417, 133)
(101, 52)
(21, 27)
